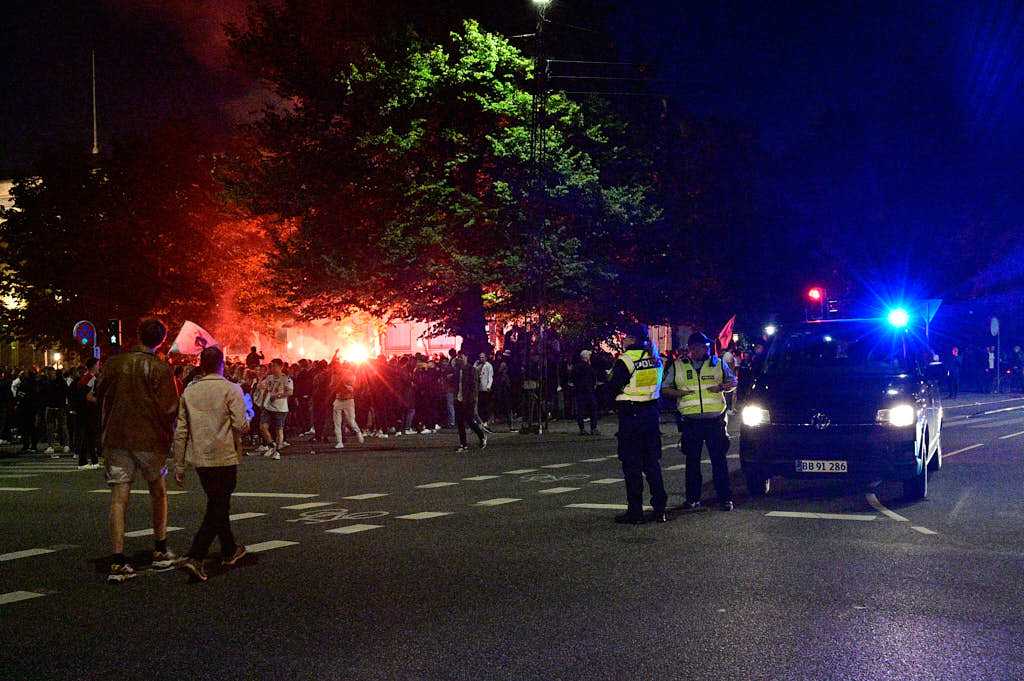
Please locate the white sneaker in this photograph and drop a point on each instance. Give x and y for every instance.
(410, 431)
(49, 450)
(384, 436)
(85, 467)
(94, 466)
(66, 450)
(311, 431)
(270, 451)
(283, 445)
(340, 445)
(361, 438)
(276, 456)
(261, 449)
(426, 431)
(437, 428)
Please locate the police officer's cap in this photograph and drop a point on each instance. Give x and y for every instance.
(698, 339)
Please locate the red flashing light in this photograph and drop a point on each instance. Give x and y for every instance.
(814, 294)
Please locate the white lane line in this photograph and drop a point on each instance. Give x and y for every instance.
(19, 477)
(981, 404)
(435, 485)
(605, 507)
(274, 495)
(148, 532)
(557, 490)
(423, 515)
(999, 411)
(478, 478)
(18, 489)
(676, 467)
(142, 491)
(557, 465)
(606, 481)
(961, 451)
(352, 529)
(600, 458)
(27, 553)
(1007, 437)
(888, 513)
(368, 495)
(496, 502)
(820, 516)
(922, 530)
(15, 596)
(311, 504)
(269, 545)
(244, 516)
(520, 471)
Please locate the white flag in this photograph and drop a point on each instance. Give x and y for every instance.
(192, 339)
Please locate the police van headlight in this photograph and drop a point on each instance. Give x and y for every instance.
(900, 416)
(754, 416)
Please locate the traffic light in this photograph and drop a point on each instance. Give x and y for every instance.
(815, 294)
(114, 331)
(816, 303)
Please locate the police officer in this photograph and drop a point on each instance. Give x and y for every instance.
(700, 381)
(636, 384)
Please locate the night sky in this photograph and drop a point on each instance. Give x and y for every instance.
(881, 124)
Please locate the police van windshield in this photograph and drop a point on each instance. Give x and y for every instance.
(854, 347)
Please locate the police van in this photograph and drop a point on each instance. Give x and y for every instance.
(845, 398)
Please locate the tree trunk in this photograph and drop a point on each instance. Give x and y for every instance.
(470, 322)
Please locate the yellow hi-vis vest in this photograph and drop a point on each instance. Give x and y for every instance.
(645, 371)
(700, 401)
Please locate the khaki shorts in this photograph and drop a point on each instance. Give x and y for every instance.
(122, 466)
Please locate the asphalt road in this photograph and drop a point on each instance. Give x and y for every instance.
(479, 566)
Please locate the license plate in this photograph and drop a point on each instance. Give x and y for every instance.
(815, 466)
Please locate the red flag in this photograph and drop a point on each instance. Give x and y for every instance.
(725, 336)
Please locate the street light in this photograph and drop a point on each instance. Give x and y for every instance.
(770, 330)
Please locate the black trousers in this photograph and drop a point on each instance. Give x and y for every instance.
(464, 414)
(640, 454)
(954, 385)
(483, 407)
(27, 427)
(695, 434)
(218, 483)
(87, 423)
(586, 408)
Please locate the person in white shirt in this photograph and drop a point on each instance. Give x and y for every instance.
(485, 376)
(276, 388)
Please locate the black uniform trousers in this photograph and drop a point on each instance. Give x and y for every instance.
(465, 416)
(218, 483)
(586, 407)
(695, 433)
(640, 453)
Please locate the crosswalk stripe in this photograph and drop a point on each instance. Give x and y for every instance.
(594, 460)
(605, 507)
(311, 504)
(19, 476)
(369, 495)
(496, 502)
(15, 596)
(352, 529)
(149, 532)
(520, 471)
(245, 516)
(27, 553)
(557, 465)
(435, 485)
(423, 515)
(275, 495)
(557, 490)
(19, 489)
(269, 545)
(477, 478)
(137, 491)
(820, 516)
(606, 481)
(676, 467)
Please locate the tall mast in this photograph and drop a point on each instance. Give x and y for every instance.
(95, 138)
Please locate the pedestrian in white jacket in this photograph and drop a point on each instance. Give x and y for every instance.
(485, 377)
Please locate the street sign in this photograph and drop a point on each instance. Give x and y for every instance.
(84, 333)
(994, 326)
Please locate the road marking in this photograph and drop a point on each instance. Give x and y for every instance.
(557, 490)
(18, 489)
(15, 596)
(606, 481)
(676, 467)
(368, 495)
(149, 531)
(27, 553)
(496, 502)
(981, 404)
(922, 530)
(888, 513)
(275, 495)
(478, 478)
(557, 465)
(423, 515)
(520, 471)
(24, 475)
(244, 516)
(1007, 437)
(140, 491)
(670, 446)
(600, 458)
(606, 507)
(999, 411)
(435, 485)
(352, 529)
(311, 504)
(961, 451)
(820, 516)
(269, 545)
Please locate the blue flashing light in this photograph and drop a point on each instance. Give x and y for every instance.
(898, 317)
